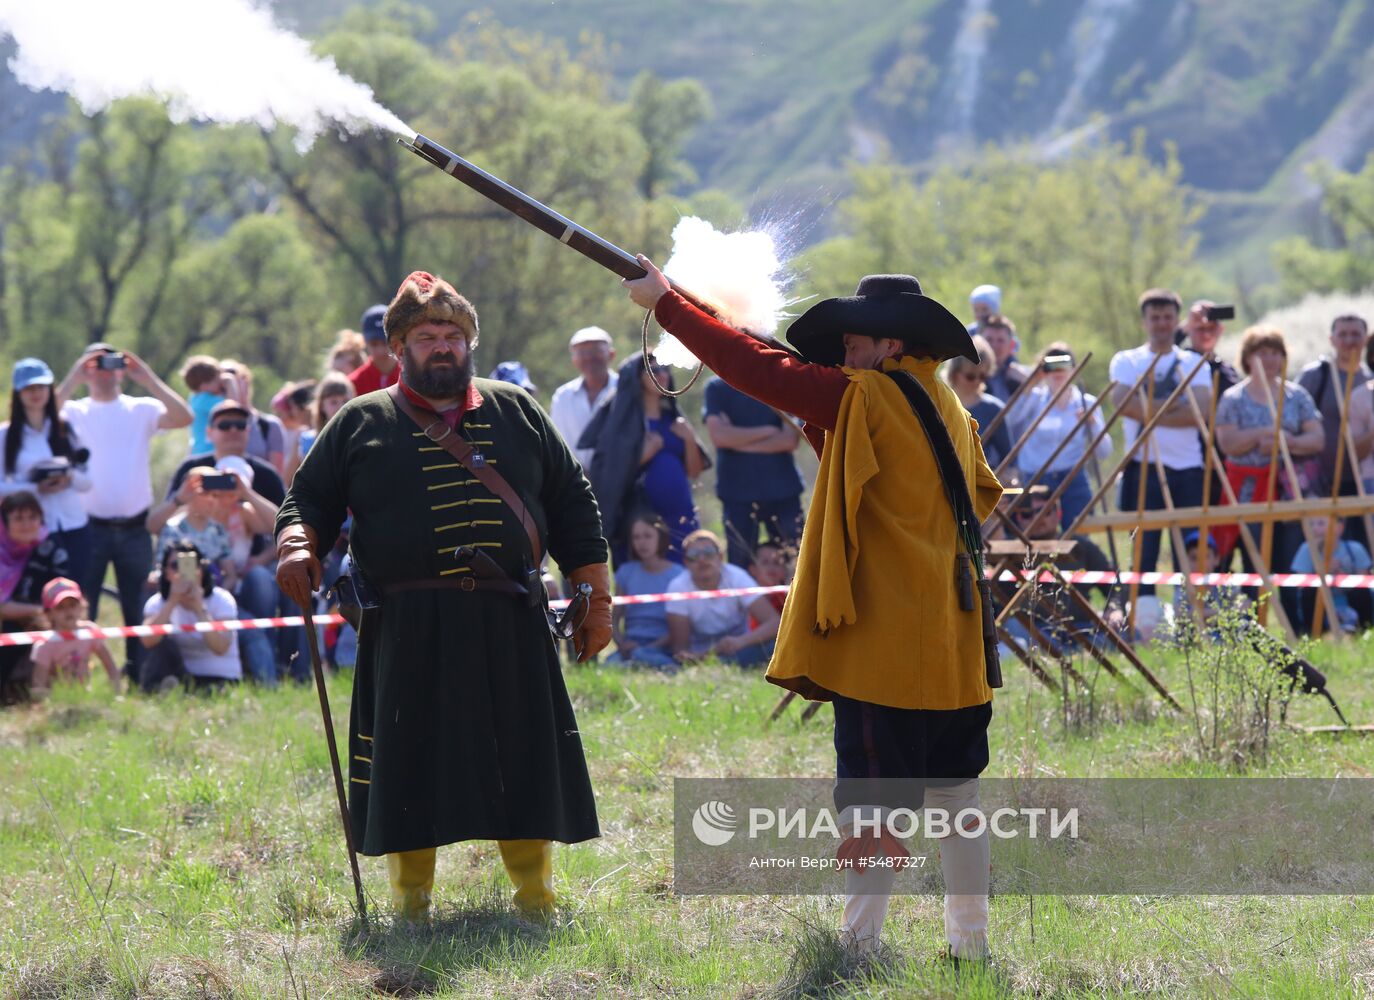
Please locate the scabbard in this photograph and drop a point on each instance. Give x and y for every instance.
(992, 662)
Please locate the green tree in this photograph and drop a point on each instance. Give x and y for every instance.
(96, 227)
(518, 106)
(1071, 243)
(1342, 259)
(665, 115)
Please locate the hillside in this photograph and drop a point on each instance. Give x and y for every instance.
(1249, 91)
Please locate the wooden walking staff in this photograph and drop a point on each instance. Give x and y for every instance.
(1025, 436)
(1228, 491)
(1287, 456)
(1329, 549)
(313, 643)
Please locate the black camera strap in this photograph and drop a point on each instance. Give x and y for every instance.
(970, 572)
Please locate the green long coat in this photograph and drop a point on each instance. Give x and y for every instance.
(461, 727)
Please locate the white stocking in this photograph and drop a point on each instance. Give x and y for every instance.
(866, 895)
(965, 863)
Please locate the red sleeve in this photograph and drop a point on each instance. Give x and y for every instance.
(769, 374)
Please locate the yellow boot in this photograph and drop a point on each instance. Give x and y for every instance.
(412, 881)
(529, 863)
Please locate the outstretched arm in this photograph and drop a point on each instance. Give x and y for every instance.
(769, 374)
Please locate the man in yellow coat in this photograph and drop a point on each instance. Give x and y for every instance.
(875, 622)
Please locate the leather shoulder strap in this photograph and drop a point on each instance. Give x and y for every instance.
(452, 442)
(946, 461)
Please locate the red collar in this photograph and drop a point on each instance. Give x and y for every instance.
(453, 414)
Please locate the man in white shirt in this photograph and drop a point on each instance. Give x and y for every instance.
(718, 626)
(574, 402)
(1175, 436)
(119, 429)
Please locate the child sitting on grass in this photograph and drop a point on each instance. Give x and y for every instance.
(1347, 556)
(68, 659)
(204, 523)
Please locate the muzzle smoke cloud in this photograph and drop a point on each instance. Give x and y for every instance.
(222, 61)
(741, 273)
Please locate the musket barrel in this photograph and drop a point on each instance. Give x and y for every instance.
(539, 215)
(561, 228)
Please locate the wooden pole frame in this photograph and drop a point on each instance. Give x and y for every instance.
(1092, 448)
(1287, 457)
(1285, 510)
(1335, 494)
(1138, 536)
(1145, 430)
(1025, 435)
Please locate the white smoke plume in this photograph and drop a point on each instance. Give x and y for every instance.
(221, 61)
(739, 273)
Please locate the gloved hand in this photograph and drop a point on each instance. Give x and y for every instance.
(298, 569)
(595, 633)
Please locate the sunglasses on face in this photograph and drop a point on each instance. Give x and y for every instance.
(695, 554)
(231, 425)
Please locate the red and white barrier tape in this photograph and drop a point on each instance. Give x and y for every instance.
(1341, 581)
(233, 625)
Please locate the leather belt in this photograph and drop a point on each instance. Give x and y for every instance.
(464, 583)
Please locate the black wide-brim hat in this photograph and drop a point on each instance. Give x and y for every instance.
(884, 305)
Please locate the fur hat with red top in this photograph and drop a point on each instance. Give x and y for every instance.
(424, 298)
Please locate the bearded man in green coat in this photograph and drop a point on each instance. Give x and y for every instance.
(461, 727)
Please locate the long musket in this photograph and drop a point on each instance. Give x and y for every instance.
(539, 215)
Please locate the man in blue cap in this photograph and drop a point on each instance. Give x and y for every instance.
(515, 373)
(381, 370)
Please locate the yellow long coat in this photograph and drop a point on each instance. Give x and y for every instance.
(873, 613)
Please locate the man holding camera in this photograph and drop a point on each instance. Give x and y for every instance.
(461, 726)
(119, 429)
(1174, 442)
(257, 492)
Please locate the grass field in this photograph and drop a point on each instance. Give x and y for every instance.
(188, 847)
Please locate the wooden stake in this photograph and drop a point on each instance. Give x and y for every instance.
(1145, 430)
(1025, 435)
(1287, 457)
(1329, 549)
(1092, 446)
(1138, 538)
(1207, 453)
(1261, 566)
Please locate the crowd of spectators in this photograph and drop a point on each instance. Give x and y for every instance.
(79, 500)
